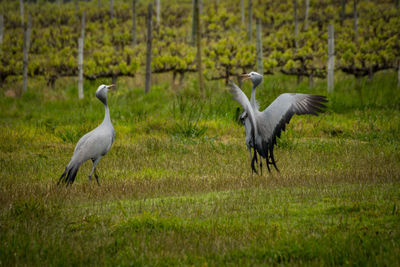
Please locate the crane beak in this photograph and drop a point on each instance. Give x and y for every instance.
(245, 76)
(112, 86)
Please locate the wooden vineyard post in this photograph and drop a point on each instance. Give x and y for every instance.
(250, 18)
(242, 11)
(27, 39)
(311, 81)
(398, 76)
(296, 34)
(158, 16)
(134, 41)
(80, 57)
(331, 57)
(1, 28)
(296, 27)
(355, 22)
(306, 15)
(260, 67)
(21, 11)
(198, 40)
(194, 23)
(311, 76)
(148, 49)
(111, 9)
(83, 19)
(80, 67)
(342, 11)
(76, 3)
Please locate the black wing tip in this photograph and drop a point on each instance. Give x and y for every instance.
(317, 104)
(319, 98)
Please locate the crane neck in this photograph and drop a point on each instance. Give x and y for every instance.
(253, 97)
(107, 118)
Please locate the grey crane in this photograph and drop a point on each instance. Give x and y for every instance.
(263, 127)
(93, 145)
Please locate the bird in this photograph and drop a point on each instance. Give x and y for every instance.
(93, 145)
(263, 127)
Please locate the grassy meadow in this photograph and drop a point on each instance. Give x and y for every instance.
(177, 188)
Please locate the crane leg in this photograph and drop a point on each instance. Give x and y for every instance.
(96, 176)
(266, 161)
(249, 148)
(254, 159)
(271, 152)
(95, 161)
(265, 146)
(269, 170)
(253, 169)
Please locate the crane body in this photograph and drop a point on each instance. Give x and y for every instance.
(263, 127)
(93, 145)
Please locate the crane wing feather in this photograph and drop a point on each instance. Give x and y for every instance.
(242, 99)
(272, 121)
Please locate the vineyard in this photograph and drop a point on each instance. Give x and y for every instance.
(294, 42)
(176, 187)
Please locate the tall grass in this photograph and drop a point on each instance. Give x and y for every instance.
(177, 187)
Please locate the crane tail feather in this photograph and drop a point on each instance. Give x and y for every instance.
(68, 176)
(72, 174)
(62, 177)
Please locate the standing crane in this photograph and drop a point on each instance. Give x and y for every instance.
(263, 127)
(93, 145)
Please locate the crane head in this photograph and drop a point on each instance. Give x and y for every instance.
(101, 92)
(255, 78)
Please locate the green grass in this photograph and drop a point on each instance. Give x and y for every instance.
(177, 189)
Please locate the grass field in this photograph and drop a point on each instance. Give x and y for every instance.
(177, 189)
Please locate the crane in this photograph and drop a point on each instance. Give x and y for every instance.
(263, 127)
(93, 145)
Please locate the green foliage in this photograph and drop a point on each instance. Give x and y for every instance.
(376, 48)
(227, 57)
(226, 52)
(188, 112)
(171, 53)
(188, 129)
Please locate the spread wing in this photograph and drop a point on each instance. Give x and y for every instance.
(240, 97)
(272, 121)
